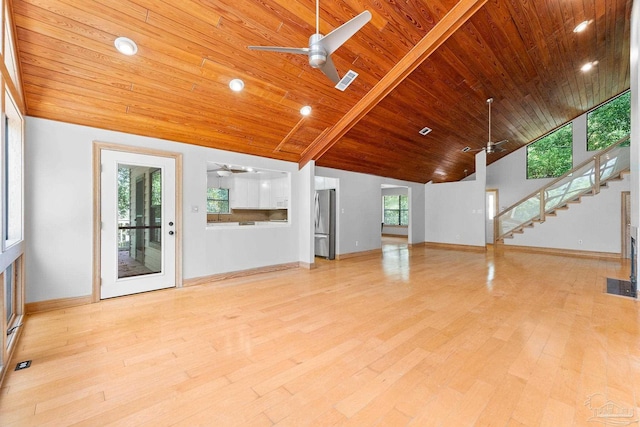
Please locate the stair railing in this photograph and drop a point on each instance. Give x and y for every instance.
(565, 189)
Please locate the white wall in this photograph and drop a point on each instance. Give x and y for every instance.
(59, 211)
(305, 220)
(359, 205)
(455, 211)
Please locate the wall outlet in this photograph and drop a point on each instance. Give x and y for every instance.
(579, 241)
(356, 243)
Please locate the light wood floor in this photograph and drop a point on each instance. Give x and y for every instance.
(410, 337)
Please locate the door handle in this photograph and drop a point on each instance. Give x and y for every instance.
(171, 233)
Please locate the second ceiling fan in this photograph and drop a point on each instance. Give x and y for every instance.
(321, 47)
(492, 147)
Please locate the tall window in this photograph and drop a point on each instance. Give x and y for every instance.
(218, 200)
(609, 122)
(12, 174)
(396, 209)
(551, 155)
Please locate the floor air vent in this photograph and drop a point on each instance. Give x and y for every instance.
(346, 80)
(621, 287)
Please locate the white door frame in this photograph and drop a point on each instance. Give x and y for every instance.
(97, 220)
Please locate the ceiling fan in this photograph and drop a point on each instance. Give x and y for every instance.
(227, 170)
(321, 47)
(492, 147)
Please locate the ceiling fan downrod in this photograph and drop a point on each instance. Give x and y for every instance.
(489, 102)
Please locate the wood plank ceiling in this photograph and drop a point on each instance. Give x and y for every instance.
(523, 54)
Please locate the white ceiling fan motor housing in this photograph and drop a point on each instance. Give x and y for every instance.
(317, 54)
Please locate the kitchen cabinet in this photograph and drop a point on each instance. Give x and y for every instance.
(280, 192)
(239, 196)
(259, 191)
(265, 193)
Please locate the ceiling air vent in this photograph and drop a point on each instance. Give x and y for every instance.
(465, 149)
(425, 130)
(346, 80)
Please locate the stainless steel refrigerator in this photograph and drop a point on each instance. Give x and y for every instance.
(325, 224)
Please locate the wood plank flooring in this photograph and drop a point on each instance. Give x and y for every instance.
(411, 337)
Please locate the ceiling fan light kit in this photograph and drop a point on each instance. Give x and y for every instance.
(321, 47)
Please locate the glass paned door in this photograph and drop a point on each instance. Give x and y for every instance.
(139, 220)
(138, 230)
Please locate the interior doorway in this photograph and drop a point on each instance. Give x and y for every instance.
(395, 216)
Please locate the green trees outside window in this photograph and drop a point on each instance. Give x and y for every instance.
(218, 200)
(551, 155)
(609, 122)
(396, 210)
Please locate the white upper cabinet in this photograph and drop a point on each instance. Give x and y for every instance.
(239, 196)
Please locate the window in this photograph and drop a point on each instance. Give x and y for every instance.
(9, 293)
(12, 299)
(396, 210)
(218, 200)
(552, 155)
(609, 122)
(12, 174)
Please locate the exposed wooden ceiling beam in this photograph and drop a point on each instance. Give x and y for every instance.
(447, 26)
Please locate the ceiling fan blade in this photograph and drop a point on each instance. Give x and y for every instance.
(336, 38)
(296, 50)
(499, 142)
(330, 70)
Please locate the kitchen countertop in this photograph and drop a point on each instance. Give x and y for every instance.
(247, 224)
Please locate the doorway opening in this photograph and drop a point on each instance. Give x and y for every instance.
(491, 209)
(396, 218)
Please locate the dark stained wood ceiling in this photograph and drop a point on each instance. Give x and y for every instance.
(523, 54)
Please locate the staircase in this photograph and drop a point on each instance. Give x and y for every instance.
(584, 180)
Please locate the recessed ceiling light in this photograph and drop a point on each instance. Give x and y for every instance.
(588, 66)
(581, 27)
(236, 85)
(126, 46)
(306, 110)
